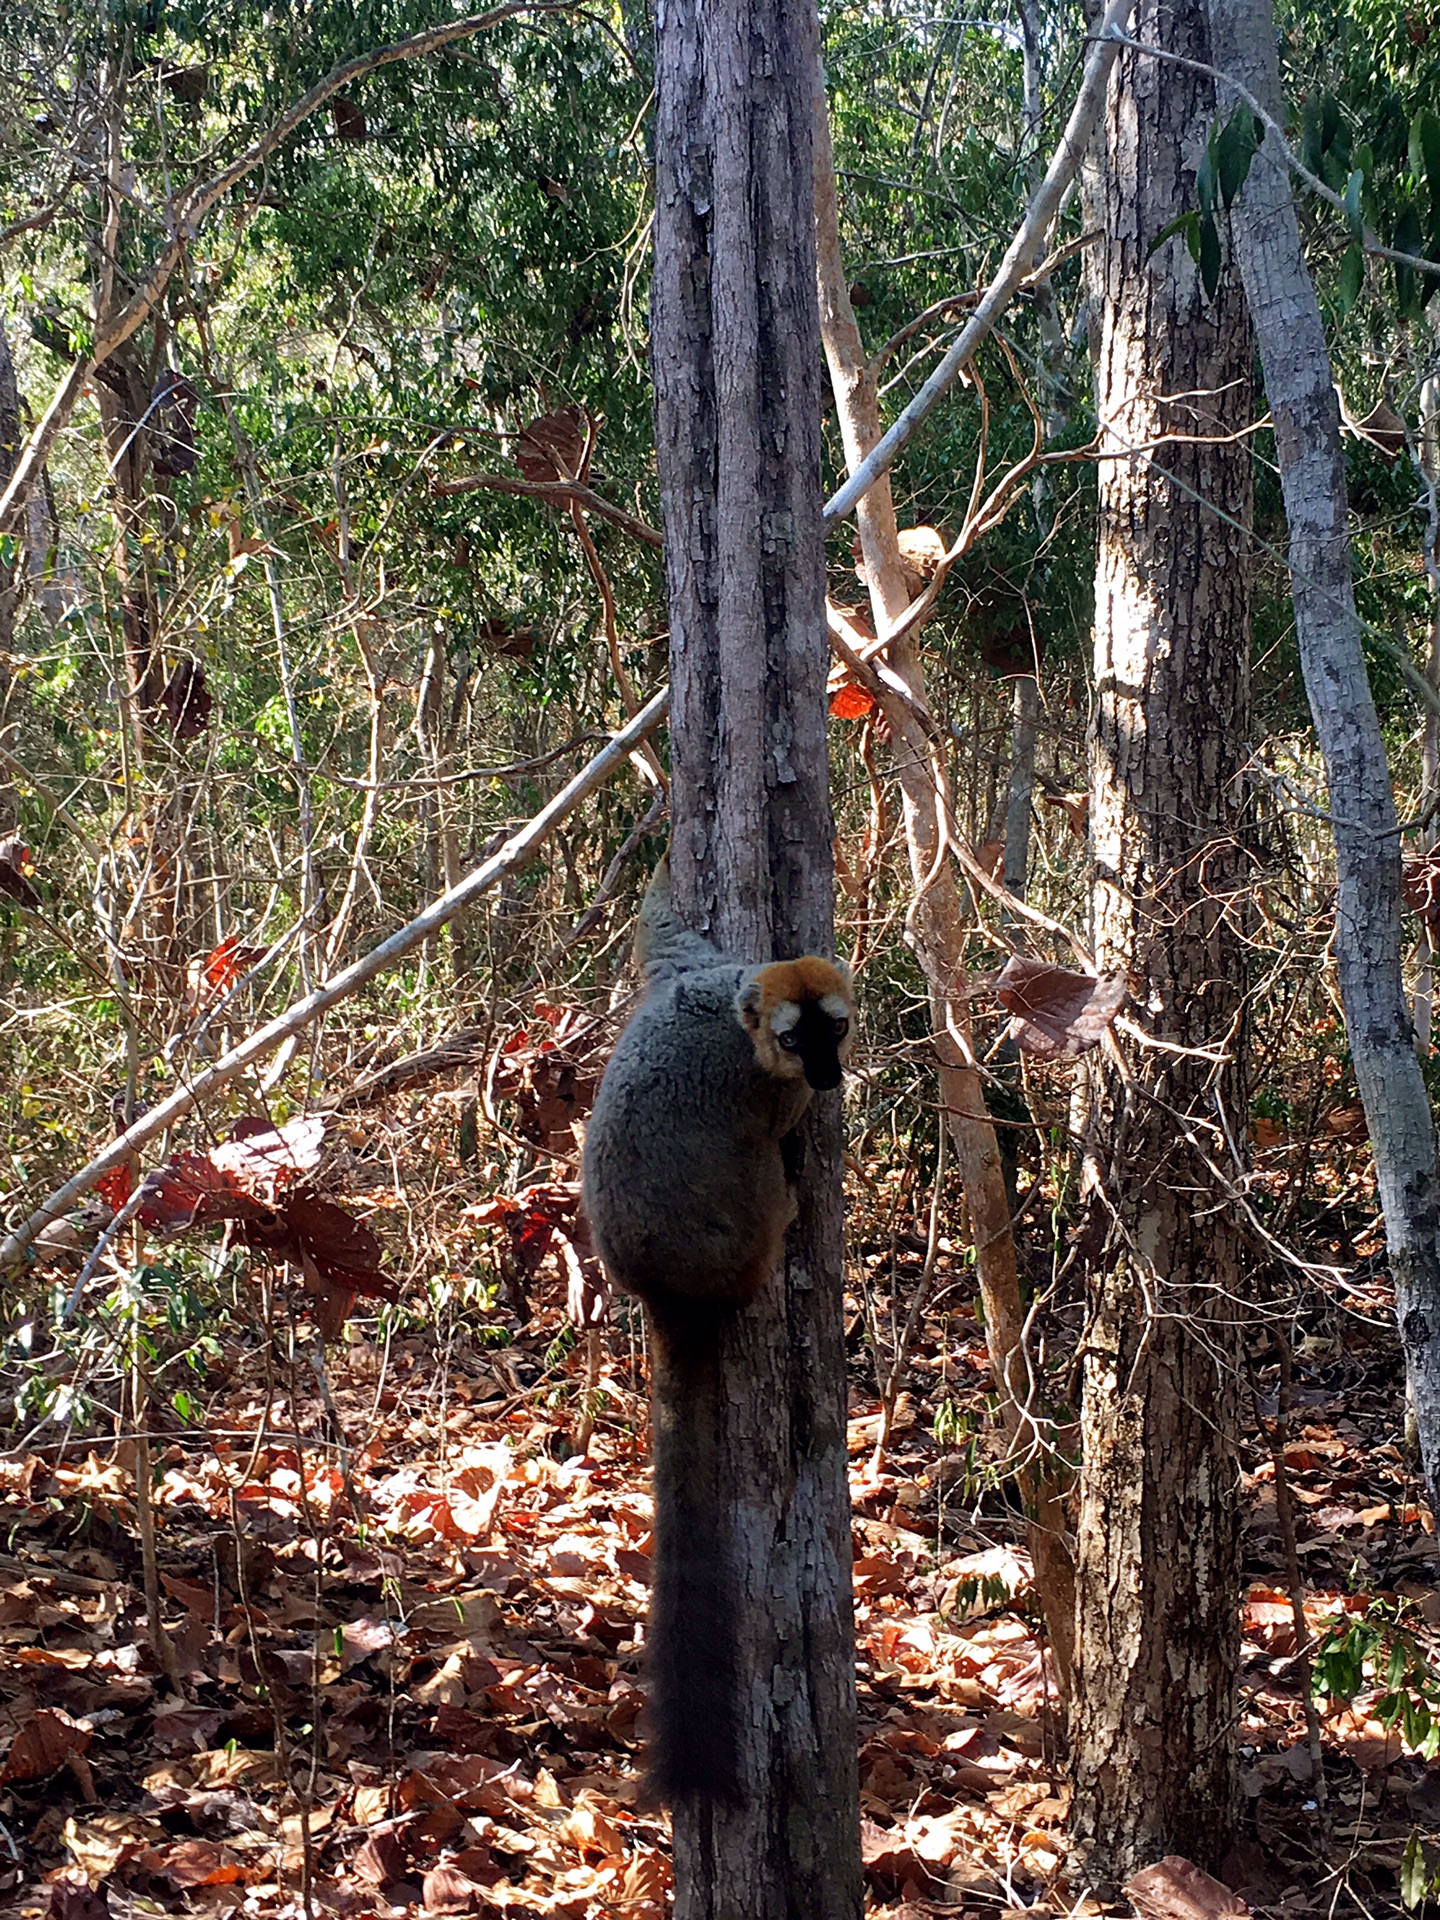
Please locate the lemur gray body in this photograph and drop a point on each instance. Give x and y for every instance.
(687, 1190)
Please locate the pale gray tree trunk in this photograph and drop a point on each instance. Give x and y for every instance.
(1152, 1709)
(1299, 387)
(736, 351)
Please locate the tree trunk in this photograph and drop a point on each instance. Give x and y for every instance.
(1152, 1719)
(1299, 387)
(736, 362)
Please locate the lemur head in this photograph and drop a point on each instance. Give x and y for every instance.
(799, 1014)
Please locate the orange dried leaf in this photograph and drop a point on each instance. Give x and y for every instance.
(552, 447)
(851, 702)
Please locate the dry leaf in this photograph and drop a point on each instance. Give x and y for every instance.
(45, 1742)
(1176, 1889)
(552, 447)
(106, 1840)
(1058, 1015)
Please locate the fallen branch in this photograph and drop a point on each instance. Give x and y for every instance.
(1017, 263)
(515, 851)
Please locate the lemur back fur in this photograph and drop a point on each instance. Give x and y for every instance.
(687, 1189)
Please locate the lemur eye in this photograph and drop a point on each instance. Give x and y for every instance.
(789, 1041)
(842, 1027)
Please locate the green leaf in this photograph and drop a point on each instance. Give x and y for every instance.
(1414, 1872)
(1352, 277)
(1209, 257)
(1354, 218)
(1205, 180)
(1185, 223)
(1235, 147)
(1407, 238)
(1417, 1724)
(1425, 155)
(1329, 121)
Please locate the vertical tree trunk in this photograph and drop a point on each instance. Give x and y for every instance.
(1158, 1637)
(1299, 387)
(736, 362)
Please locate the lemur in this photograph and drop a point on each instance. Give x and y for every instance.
(687, 1187)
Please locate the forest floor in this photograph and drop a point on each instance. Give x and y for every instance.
(433, 1629)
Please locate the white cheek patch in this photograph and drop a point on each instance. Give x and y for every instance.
(785, 1018)
(836, 1006)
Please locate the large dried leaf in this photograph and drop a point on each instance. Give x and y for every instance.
(1058, 1015)
(851, 701)
(191, 1191)
(186, 701)
(552, 447)
(43, 1744)
(229, 962)
(1176, 1889)
(265, 1159)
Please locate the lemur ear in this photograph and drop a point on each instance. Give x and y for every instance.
(749, 1002)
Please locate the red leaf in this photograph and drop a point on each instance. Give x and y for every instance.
(186, 701)
(190, 1191)
(1058, 1015)
(226, 964)
(851, 702)
(116, 1186)
(17, 869)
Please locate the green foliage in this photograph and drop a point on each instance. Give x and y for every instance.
(1373, 1650)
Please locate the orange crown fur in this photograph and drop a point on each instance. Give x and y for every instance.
(808, 978)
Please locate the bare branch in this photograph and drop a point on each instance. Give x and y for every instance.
(265, 1039)
(1017, 263)
(562, 493)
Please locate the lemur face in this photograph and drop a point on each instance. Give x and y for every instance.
(799, 1014)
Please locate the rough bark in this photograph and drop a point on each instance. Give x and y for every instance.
(736, 362)
(1299, 387)
(941, 932)
(1152, 1713)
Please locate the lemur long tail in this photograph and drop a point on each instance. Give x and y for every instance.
(692, 1651)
